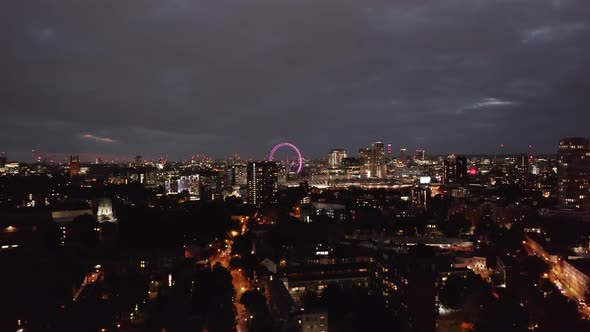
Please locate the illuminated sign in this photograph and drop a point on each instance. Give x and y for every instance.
(425, 179)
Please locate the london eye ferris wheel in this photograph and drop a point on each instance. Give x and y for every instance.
(296, 163)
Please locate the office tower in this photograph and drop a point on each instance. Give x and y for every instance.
(378, 167)
(523, 167)
(183, 184)
(2, 160)
(447, 172)
(573, 173)
(365, 161)
(365, 156)
(421, 197)
(353, 168)
(403, 155)
(171, 187)
(138, 161)
(262, 183)
(461, 170)
(194, 185)
(335, 157)
(190, 184)
(454, 170)
(237, 175)
(421, 154)
(74, 166)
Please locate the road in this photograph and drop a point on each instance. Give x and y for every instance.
(554, 277)
(93, 276)
(240, 282)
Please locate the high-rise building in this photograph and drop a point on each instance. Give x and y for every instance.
(573, 173)
(353, 168)
(454, 170)
(262, 183)
(447, 172)
(365, 156)
(461, 169)
(138, 161)
(74, 166)
(378, 167)
(403, 155)
(421, 154)
(523, 168)
(335, 157)
(2, 160)
(365, 160)
(237, 175)
(190, 184)
(171, 187)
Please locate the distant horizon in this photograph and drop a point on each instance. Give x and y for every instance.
(91, 158)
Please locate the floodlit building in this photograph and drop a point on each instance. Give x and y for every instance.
(336, 157)
(74, 166)
(105, 211)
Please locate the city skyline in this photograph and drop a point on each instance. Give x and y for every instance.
(182, 78)
(52, 157)
(295, 165)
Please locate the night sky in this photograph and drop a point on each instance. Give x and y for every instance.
(180, 77)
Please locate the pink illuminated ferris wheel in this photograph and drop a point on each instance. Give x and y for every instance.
(271, 155)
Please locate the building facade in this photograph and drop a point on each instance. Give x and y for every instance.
(262, 183)
(74, 166)
(378, 166)
(454, 170)
(573, 173)
(335, 158)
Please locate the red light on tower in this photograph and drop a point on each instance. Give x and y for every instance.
(473, 171)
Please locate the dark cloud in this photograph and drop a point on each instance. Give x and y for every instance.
(98, 138)
(181, 77)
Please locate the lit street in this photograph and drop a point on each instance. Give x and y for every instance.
(240, 283)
